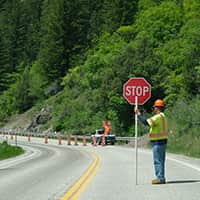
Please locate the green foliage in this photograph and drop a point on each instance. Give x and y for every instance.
(118, 13)
(184, 125)
(190, 34)
(19, 22)
(160, 22)
(7, 103)
(182, 52)
(127, 32)
(191, 9)
(23, 102)
(81, 53)
(8, 151)
(145, 5)
(37, 82)
(51, 54)
(4, 60)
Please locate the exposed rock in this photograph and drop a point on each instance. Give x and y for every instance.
(39, 119)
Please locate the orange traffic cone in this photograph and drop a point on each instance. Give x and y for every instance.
(59, 140)
(68, 139)
(84, 141)
(94, 142)
(75, 140)
(46, 139)
(103, 140)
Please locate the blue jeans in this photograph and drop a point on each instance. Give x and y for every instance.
(159, 151)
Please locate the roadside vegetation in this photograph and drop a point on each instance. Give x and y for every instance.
(8, 151)
(72, 59)
(184, 127)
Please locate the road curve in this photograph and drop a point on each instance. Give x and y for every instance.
(56, 171)
(45, 174)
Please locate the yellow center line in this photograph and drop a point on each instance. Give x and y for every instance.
(74, 192)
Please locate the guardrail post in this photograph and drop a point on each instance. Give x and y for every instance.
(11, 135)
(46, 139)
(59, 140)
(15, 139)
(29, 137)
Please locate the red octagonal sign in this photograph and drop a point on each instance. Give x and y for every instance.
(137, 87)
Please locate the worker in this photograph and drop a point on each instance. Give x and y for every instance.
(158, 137)
(107, 128)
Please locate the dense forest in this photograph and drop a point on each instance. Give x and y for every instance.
(73, 57)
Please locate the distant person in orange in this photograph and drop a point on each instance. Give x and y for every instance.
(103, 125)
(107, 128)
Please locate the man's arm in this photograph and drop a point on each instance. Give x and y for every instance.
(141, 118)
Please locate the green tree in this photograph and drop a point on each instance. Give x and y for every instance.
(118, 13)
(15, 37)
(23, 100)
(15, 32)
(162, 22)
(31, 45)
(51, 58)
(37, 83)
(191, 9)
(4, 64)
(191, 52)
(181, 57)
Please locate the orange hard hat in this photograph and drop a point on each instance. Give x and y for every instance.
(159, 103)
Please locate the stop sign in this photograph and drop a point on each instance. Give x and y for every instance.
(137, 87)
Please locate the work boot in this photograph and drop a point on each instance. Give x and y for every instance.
(157, 181)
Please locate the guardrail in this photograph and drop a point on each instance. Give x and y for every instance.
(129, 139)
(55, 135)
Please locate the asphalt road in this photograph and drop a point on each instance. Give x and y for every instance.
(51, 172)
(115, 179)
(44, 173)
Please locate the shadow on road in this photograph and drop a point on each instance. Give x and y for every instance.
(182, 181)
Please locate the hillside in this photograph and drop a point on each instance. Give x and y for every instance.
(72, 59)
(19, 121)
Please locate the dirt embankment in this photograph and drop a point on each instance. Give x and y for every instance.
(21, 121)
(29, 121)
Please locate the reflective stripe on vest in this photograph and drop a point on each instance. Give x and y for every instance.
(159, 135)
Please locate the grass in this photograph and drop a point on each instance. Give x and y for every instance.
(8, 151)
(183, 120)
(187, 144)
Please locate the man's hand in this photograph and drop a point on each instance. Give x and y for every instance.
(137, 112)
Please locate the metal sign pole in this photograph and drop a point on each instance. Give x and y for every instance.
(136, 91)
(136, 135)
(16, 139)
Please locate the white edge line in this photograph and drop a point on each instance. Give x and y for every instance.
(184, 163)
(168, 157)
(30, 153)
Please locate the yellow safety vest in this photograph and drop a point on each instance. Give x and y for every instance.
(158, 127)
